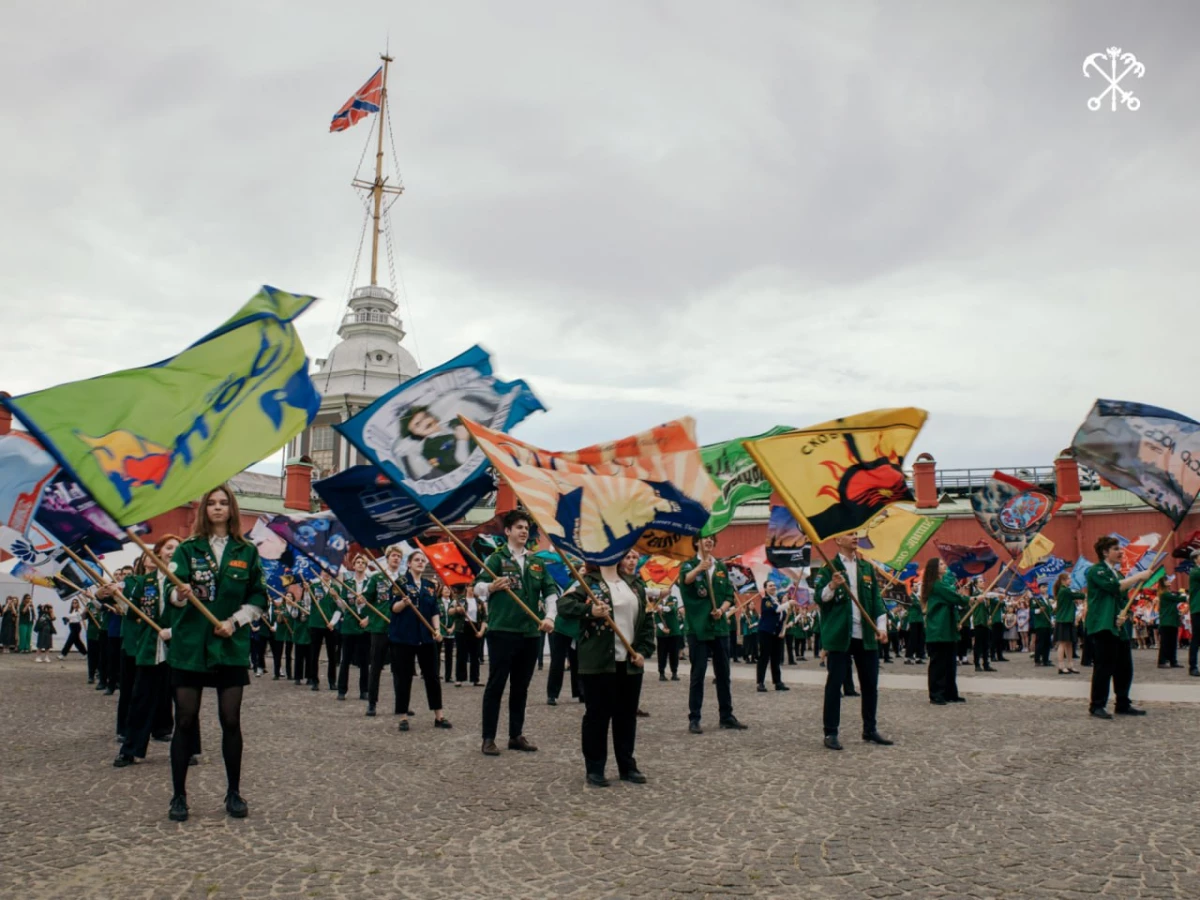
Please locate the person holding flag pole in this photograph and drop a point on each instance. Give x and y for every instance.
(355, 649)
(1112, 660)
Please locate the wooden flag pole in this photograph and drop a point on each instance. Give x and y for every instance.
(383, 569)
(479, 562)
(179, 585)
(1162, 549)
(421, 547)
(95, 576)
(123, 598)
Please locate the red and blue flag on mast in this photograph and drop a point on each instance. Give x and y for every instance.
(366, 100)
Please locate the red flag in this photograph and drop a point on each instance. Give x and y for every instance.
(366, 100)
(448, 562)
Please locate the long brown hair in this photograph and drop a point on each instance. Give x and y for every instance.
(203, 527)
(929, 576)
(1063, 579)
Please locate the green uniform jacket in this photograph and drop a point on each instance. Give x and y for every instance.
(381, 593)
(597, 641)
(1043, 615)
(533, 585)
(835, 613)
(301, 621)
(915, 615)
(351, 616)
(982, 613)
(131, 628)
(1194, 592)
(282, 620)
(238, 581)
(147, 592)
(1064, 605)
(666, 620)
(698, 604)
(997, 605)
(749, 623)
(941, 613)
(1105, 599)
(323, 597)
(1168, 609)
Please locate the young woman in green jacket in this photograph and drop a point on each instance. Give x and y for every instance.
(1064, 622)
(221, 570)
(612, 679)
(942, 605)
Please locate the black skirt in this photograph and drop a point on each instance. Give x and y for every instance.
(216, 677)
(1064, 631)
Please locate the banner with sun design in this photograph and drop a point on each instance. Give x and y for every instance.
(649, 490)
(1013, 512)
(838, 475)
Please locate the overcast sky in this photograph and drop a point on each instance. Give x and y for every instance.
(757, 213)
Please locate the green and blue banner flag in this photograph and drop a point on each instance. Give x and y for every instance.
(415, 433)
(144, 441)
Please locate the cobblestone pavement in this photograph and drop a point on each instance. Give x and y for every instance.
(1001, 796)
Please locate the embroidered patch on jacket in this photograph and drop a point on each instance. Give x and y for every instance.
(238, 564)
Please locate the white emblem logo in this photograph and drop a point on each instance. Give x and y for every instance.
(1113, 55)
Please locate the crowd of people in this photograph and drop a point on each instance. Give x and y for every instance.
(197, 613)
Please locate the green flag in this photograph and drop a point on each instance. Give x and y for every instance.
(737, 475)
(144, 441)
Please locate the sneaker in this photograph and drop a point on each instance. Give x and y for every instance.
(235, 805)
(179, 808)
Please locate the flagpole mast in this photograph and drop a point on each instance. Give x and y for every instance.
(377, 188)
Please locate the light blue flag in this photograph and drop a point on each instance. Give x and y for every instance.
(414, 433)
(1079, 573)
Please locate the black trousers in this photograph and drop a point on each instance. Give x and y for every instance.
(470, 647)
(1045, 637)
(611, 698)
(125, 687)
(355, 651)
(300, 664)
(735, 651)
(1194, 643)
(943, 671)
(964, 641)
(287, 659)
(276, 654)
(771, 652)
(561, 652)
(914, 643)
(750, 642)
(403, 657)
(982, 633)
(1112, 661)
(258, 653)
(74, 640)
(668, 653)
(112, 660)
(151, 686)
(1088, 652)
(513, 659)
(837, 662)
(93, 656)
(790, 642)
(699, 653)
(329, 638)
(447, 656)
(802, 646)
(378, 653)
(1168, 648)
(996, 642)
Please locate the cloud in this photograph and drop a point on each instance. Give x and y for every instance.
(755, 214)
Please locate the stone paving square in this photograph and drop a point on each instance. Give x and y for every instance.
(1004, 796)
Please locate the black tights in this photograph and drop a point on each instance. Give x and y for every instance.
(187, 729)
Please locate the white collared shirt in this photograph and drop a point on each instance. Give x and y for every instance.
(851, 576)
(624, 611)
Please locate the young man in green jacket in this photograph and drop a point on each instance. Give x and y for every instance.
(513, 636)
(846, 637)
(1107, 594)
(1168, 625)
(707, 595)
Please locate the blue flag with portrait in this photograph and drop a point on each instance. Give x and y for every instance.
(415, 433)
